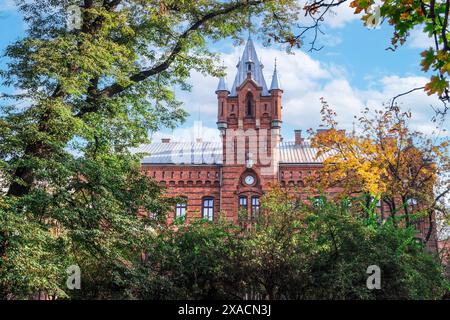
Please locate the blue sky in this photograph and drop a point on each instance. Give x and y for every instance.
(352, 71)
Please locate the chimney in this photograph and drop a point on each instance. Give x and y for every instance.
(410, 141)
(298, 137)
(165, 140)
(322, 130)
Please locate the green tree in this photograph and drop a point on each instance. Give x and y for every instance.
(85, 96)
(322, 249)
(192, 261)
(294, 250)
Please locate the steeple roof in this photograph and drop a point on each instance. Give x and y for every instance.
(249, 62)
(275, 81)
(222, 85)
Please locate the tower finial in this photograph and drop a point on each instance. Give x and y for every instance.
(275, 81)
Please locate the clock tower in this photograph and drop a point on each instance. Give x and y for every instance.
(249, 120)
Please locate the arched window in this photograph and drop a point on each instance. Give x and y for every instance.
(255, 206)
(249, 105)
(181, 208)
(243, 203)
(208, 208)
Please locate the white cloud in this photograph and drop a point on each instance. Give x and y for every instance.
(189, 134)
(418, 102)
(340, 16)
(419, 39)
(305, 80)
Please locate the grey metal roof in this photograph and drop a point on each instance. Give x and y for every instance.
(249, 56)
(222, 85)
(275, 81)
(291, 153)
(211, 153)
(181, 153)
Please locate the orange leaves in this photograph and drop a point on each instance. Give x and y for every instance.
(311, 9)
(162, 8)
(436, 85)
(361, 5)
(404, 16)
(355, 4)
(440, 61)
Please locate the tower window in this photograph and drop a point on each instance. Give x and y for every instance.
(249, 67)
(249, 105)
(208, 208)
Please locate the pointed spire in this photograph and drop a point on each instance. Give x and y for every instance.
(222, 85)
(275, 81)
(249, 58)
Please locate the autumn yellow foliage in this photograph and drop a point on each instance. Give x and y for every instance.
(386, 160)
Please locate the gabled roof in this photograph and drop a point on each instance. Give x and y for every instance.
(210, 153)
(249, 56)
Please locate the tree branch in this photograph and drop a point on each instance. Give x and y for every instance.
(116, 88)
(403, 94)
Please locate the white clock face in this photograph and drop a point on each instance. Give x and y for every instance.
(249, 180)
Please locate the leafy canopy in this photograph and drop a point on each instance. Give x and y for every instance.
(70, 188)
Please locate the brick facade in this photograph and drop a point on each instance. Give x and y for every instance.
(250, 158)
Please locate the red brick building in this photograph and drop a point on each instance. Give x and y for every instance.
(233, 174)
(223, 177)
